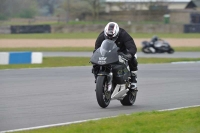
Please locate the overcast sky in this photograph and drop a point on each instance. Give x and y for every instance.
(147, 0)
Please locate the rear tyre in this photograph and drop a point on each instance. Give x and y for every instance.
(102, 94)
(130, 98)
(171, 51)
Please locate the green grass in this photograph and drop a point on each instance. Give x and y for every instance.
(92, 35)
(50, 36)
(84, 49)
(52, 62)
(164, 60)
(178, 121)
(84, 61)
(50, 49)
(187, 49)
(55, 22)
(71, 23)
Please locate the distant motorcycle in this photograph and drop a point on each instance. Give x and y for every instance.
(160, 46)
(113, 75)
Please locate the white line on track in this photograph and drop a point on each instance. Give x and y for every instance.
(68, 123)
(185, 62)
(179, 108)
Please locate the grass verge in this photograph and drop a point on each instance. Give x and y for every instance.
(92, 35)
(85, 49)
(84, 61)
(177, 121)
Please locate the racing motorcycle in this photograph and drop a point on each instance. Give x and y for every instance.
(160, 46)
(113, 75)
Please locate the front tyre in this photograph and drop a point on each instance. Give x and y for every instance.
(102, 94)
(130, 98)
(146, 50)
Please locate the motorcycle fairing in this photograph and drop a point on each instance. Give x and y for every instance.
(159, 44)
(119, 92)
(145, 43)
(106, 54)
(120, 73)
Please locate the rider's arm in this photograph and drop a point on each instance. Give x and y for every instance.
(99, 40)
(130, 44)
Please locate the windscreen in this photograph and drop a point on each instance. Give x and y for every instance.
(107, 46)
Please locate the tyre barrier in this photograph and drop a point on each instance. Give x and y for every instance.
(192, 28)
(20, 58)
(18, 29)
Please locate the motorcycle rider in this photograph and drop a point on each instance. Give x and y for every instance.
(126, 44)
(154, 39)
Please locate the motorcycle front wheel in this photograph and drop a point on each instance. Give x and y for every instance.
(102, 94)
(148, 50)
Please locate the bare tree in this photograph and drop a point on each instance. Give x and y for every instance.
(80, 8)
(14, 8)
(51, 5)
(3, 9)
(95, 6)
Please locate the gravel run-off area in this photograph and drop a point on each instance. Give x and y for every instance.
(8, 43)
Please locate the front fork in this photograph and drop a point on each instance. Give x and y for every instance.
(110, 79)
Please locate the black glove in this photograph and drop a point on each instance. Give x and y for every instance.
(126, 56)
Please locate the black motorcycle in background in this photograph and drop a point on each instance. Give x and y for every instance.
(113, 75)
(159, 46)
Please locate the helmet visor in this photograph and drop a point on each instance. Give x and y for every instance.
(110, 37)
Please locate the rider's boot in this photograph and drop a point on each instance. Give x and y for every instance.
(133, 80)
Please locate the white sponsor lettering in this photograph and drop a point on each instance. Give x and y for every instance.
(101, 62)
(102, 58)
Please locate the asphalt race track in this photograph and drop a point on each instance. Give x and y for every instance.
(36, 97)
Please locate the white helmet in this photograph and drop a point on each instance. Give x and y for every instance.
(111, 31)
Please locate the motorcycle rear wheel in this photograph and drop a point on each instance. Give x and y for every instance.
(130, 98)
(102, 95)
(171, 51)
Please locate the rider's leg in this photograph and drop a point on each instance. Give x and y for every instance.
(134, 80)
(133, 67)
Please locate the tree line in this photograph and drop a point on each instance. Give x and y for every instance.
(32, 8)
